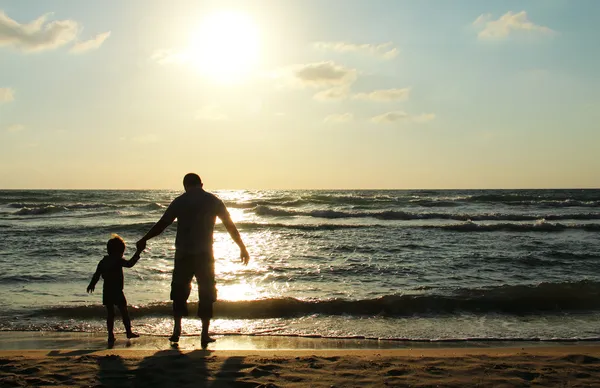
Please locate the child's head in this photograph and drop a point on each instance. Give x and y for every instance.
(115, 246)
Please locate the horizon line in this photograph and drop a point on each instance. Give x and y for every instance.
(300, 189)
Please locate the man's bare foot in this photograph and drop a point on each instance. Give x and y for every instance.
(176, 334)
(205, 340)
(133, 335)
(111, 341)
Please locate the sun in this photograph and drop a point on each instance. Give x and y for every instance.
(225, 47)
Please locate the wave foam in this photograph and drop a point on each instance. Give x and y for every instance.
(544, 297)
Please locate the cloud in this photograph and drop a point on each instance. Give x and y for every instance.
(390, 117)
(210, 113)
(383, 50)
(91, 44)
(38, 35)
(401, 116)
(384, 95)
(332, 94)
(6, 95)
(15, 128)
(321, 75)
(170, 56)
(506, 24)
(339, 118)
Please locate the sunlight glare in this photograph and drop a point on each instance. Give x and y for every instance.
(238, 292)
(226, 46)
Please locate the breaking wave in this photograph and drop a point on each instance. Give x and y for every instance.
(544, 297)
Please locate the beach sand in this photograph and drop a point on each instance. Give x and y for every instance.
(316, 363)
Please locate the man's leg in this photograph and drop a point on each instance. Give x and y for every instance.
(176, 328)
(181, 286)
(207, 295)
(205, 339)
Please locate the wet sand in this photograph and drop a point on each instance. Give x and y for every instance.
(71, 359)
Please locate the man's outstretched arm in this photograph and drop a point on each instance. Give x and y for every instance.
(166, 220)
(235, 235)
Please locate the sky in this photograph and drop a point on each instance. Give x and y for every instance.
(300, 94)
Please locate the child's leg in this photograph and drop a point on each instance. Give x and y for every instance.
(110, 321)
(127, 321)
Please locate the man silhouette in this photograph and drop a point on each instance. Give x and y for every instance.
(196, 211)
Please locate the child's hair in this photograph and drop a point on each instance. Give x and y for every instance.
(115, 246)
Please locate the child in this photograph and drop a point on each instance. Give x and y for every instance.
(111, 270)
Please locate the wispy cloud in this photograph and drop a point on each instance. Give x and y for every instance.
(507, 24)
(170, 56)
(15, 128)
(91, 44)
(384, 95)
(6, 95)
(332, 94)
(43, 34)
(401, 116)
(320, 75)
(390, 117)
(37, 35)
(382, 50)
(210, 112)
(339, 118)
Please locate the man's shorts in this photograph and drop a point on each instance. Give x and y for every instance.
(202, 266)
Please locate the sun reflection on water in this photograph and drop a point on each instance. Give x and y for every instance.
(236, 282)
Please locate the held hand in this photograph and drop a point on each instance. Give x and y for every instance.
(140, 245)
(90, 289)
(244, 256)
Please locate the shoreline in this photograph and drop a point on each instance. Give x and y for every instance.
(42, 340)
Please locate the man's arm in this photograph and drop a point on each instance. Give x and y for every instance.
(92, 286)
(235, 235)
(166, 220)
(131, 262)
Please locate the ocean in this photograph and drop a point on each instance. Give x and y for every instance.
(423, 265)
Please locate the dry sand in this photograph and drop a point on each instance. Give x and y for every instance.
(560, 366)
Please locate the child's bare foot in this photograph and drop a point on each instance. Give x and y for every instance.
(132, 335)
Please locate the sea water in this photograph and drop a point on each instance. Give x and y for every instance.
(398, 264)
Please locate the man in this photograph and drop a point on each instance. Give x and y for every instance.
(196, 211)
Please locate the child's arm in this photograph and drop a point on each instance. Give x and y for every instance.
(95, 278)
(134, 259)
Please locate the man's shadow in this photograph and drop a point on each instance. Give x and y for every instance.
(172, 368)
(113, 372)
(229, 373)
